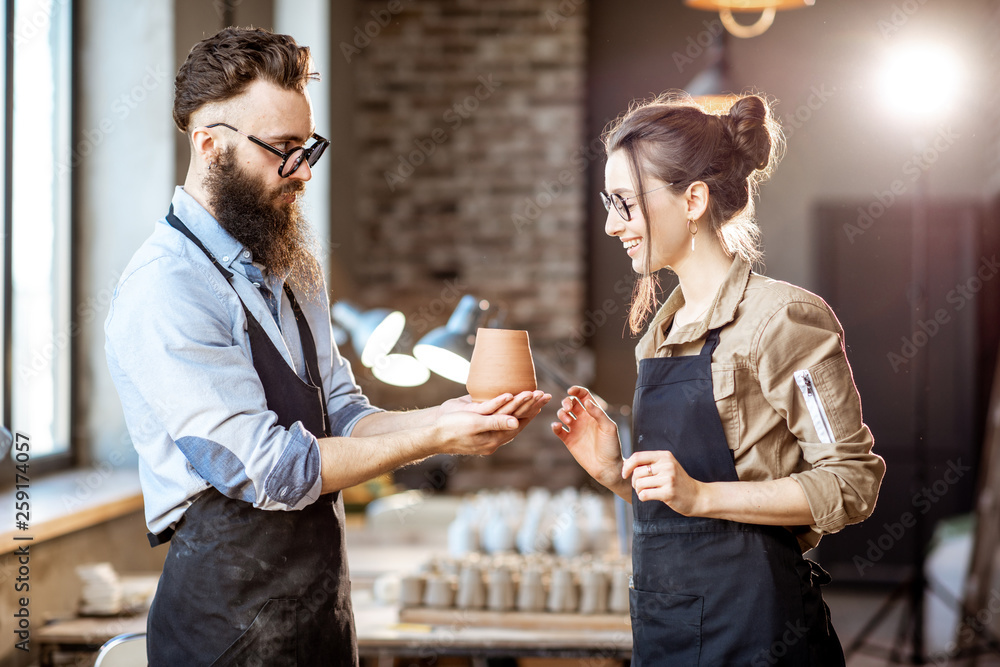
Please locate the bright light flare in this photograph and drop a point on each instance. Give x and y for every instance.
(921, 80)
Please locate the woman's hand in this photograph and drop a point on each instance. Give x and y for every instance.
(657, 475)
(592, 438)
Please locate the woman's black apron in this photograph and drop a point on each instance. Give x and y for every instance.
(708, 591)
(245, 586)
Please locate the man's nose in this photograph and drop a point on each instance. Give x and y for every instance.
(302, 173)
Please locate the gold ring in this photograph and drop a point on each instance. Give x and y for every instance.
(649, 469)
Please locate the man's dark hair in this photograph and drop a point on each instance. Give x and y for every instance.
(222, 66)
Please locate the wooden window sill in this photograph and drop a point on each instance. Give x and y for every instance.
(69, 501)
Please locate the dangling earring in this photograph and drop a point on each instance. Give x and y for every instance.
(693, 233)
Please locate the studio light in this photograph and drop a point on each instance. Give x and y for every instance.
(921, 81)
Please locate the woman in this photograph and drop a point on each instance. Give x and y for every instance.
(747, 433)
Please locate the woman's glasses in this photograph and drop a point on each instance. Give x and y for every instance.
(621, 203)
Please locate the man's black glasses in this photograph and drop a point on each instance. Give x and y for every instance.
(298, 154)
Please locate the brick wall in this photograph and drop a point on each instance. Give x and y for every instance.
(470, 175)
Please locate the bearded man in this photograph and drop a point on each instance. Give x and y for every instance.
(246, 419)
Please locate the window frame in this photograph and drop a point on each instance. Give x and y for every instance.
(68, 456)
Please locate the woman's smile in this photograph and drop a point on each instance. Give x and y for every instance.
(631, 246)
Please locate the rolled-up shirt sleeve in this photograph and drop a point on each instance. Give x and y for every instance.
(806, 378)
(183, 358)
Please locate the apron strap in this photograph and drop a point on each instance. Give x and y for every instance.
(711, 343)
(308, 350)
(176, 223)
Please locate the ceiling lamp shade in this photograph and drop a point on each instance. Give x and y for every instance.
(447, 350)
(373, 333)
(748, 5)
(767, 8)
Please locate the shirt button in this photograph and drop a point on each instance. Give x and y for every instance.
(246, 254)
(226, 258)
(257, 285)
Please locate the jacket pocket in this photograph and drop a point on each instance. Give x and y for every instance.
(666, 628)
(270, 641)
(820, 420)
(724, 393)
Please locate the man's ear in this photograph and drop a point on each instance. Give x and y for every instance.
(204, 146)
(696, 199)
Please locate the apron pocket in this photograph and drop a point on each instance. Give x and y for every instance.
(269, 641)
(666, 629)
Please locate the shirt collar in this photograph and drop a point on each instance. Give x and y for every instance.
(208, 230)
(720, 313)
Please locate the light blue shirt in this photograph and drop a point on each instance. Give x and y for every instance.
(179, 354)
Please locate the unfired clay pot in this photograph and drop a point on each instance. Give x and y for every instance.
(501, 363)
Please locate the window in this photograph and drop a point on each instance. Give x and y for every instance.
(39, 333)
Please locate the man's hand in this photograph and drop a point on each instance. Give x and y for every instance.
(524, 407)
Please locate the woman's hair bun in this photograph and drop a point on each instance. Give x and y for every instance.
(748, 124)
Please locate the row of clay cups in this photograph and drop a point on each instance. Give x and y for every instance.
(519, 562)
(591, 591)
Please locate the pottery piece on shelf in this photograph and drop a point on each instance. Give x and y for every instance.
(439, 593)
(497, 534)
(501, 363)
(411, 590)
(620, 584)
(500, 591)
(530, 592)
(593, 592)
(471, 590)
(463, 538)
(562, 592)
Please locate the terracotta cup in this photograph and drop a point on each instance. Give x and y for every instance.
(501, 363)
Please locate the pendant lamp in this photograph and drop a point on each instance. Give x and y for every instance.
(767, 9)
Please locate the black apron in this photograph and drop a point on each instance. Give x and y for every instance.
(708, 591)
(244, 586)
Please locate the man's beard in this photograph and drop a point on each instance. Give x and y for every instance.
(275, 232)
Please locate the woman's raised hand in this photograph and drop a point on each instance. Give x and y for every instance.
(592, 438)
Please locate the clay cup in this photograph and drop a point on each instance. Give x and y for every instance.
(501, 363)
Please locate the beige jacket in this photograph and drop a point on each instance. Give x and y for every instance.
(785, 393)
